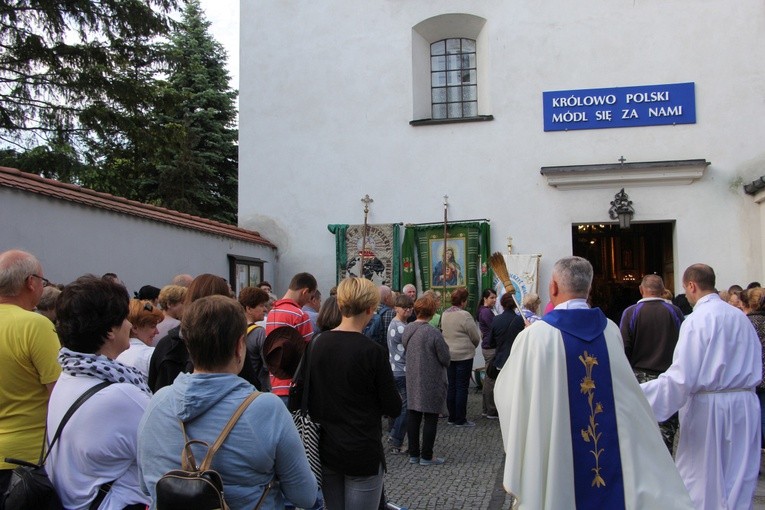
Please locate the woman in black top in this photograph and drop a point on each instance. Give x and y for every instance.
(351, 389)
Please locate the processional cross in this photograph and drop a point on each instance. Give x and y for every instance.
(366, 201)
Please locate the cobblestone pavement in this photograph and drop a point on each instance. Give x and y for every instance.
(471, 476)
(759, 493)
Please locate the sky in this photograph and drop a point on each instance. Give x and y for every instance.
(224, 16)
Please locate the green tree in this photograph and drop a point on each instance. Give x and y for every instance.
(115, 96)
(197, 165)
(59, 60)
(55, 161)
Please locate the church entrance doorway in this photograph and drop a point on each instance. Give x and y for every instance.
(621, 257)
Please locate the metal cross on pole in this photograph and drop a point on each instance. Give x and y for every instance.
(366, 201)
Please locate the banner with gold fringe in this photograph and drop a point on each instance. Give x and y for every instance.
(446, 264)
(380, 260)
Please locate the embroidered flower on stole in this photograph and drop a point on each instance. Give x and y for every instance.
(591, 434)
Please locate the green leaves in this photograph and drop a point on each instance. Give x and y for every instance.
(116, 96)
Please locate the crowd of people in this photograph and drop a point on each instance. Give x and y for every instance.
(584, 405)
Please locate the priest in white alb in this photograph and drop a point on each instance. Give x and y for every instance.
(578, 432)
(715, 368)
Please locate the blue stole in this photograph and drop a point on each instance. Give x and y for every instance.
(598, 480)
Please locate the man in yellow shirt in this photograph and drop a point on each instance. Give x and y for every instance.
(28, 360)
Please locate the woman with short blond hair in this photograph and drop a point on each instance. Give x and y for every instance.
(171, 299)
(351, 389)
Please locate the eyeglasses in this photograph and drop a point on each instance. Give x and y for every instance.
(45, 281)
(148, 307)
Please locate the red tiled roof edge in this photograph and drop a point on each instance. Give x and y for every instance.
(13, 178)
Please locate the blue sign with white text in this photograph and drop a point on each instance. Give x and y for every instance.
(646, 105)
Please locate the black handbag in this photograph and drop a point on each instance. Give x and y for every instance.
(491, 370)
(309, 430)
(30, 487)
(198, 487)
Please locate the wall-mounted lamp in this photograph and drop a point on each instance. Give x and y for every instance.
(621, 209)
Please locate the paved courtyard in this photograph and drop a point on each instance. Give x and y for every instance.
(471, 478)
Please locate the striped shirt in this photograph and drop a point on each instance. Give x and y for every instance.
(286, 312)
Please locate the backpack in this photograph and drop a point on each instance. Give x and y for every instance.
(198, 487)
(373, 330)
(30, 486)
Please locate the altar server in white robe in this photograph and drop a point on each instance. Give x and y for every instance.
(578, 432)
(715, 368)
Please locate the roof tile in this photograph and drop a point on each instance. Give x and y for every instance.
(13, 178)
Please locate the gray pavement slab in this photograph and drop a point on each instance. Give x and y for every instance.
(471, 478)
(759, 493)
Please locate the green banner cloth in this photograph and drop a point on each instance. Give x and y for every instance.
(467, 252)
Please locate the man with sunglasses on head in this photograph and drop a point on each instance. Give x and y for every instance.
(29, 368)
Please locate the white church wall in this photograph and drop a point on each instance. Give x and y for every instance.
(327, 96)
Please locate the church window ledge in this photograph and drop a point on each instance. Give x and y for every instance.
(431, 122)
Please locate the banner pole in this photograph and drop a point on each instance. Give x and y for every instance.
(443, 259)
(366, 201)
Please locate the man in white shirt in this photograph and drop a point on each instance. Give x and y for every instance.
(715, 368)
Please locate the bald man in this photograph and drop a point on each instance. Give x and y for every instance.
(182, 280)
(649, 330)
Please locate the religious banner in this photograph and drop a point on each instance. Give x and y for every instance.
(523, 271)
(379, 260)
(446, 264)
(408, 276)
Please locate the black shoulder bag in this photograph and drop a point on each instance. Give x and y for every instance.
(30, 486)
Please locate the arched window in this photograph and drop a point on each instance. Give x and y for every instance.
(450, 69)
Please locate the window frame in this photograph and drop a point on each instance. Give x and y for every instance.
(254, 267)
(453, 74)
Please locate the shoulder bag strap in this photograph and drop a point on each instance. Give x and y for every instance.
(207, 461)
(188, 462)
(307, 374)
(77, 403)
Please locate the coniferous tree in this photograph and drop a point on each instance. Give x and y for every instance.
(60, 59)
(89, 95)
(198, 162)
